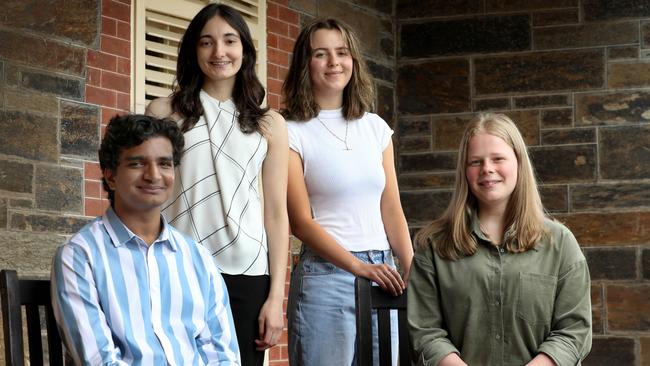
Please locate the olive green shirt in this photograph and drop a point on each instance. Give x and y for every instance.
(501, 308)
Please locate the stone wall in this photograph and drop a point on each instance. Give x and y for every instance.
(575, 77)
(64, 69)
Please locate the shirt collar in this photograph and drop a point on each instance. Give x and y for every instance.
(121, 235)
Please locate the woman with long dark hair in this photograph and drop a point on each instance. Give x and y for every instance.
(231, 143)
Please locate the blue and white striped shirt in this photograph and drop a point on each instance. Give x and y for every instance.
(120, 302)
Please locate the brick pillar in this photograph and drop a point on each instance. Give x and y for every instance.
(108, 84)
(282, 29)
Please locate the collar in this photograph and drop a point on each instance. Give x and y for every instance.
(121, 235)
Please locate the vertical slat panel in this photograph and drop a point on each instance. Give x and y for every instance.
(11, 318)
(34, 335)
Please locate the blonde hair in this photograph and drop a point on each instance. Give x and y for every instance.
(451, 233)
(297, 92)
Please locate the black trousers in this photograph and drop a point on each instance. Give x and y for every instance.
(247, 295)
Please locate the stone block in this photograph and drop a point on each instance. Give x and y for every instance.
(645, 263)
(611, 264)
(540, 72)
(420, 208)
(426, 181)
(627, 307)
(556, 117)
(375, 33)
(543, 101)
(407, 127)
(380, 71)
(645, 34)
(57, 85)
(520, 5)
(622, 52)
(21, 203)
(3, 213)
(465, 36)
(556, 17)
(79, 130)
(434, 87)
(59, 188)
(608, 351)
(628, 75)
(382, 6)
(565, 164)
(448, 131)
(76, 20)
(428, 8)
(569, 136)
(414, 144)
(52, 55)
(492, 104)
(624, 152)
(427, 162)
(22, 100)
(608, 228)
(16, 176)
(554, 198)
(645, 351)
(612, 108)
(307, 6)
(385, 104)
(597, 309)
(595, 10)
(28, 136)
(586, 35)
(609, 196)
(47, 223)
(28, 253)
(528, 124)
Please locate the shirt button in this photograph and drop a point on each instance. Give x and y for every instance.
(502, 250)
(498, 336)
(496, 303)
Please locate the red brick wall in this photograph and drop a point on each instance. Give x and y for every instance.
(282, 28)
(108, 84)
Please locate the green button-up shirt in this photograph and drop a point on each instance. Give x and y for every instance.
(500, 308)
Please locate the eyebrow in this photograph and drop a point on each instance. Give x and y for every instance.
(225, 35)
(140, 158)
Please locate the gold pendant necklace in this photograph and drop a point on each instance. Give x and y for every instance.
(343, 140)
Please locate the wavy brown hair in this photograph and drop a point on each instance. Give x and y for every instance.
(248, 93)
(451, 234)
(297, 92)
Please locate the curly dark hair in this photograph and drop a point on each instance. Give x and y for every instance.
(127, 131)
(248, 93)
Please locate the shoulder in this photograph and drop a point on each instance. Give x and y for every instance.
(274, 119)
(563, 241)
(160, 107)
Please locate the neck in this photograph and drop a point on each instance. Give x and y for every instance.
(329, 101)
(220, 90)
(493, 222)
(146, 225)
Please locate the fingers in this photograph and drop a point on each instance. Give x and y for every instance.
(387, 278)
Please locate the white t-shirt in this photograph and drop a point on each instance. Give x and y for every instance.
(345, 186)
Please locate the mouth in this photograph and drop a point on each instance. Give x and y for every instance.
(219, 63)
(152, 189)
(488, 183)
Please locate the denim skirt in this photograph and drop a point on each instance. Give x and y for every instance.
(320, 312)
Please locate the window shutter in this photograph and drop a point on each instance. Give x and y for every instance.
(158, 28)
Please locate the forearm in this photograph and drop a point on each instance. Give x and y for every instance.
(320, 241)
(277, 230)
(398, 237)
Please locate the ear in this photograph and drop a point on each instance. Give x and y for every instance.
(109, 176)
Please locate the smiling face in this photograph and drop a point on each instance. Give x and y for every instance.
(144, 177)
(330, 65)
(491, 170)
(219, 51)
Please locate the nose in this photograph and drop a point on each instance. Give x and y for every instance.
(333, 60)
(487, 167)
(152, 173)
(218, 49)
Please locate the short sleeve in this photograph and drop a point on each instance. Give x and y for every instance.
(381, 129)
(294, 137)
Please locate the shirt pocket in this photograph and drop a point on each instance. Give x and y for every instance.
(536, 297)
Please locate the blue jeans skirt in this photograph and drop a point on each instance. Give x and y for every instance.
(320, 312)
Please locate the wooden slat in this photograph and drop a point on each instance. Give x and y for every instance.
(167, 64)
(157, 91)
(159, 77)
(167, 20)
(164, 34)
(161, 48)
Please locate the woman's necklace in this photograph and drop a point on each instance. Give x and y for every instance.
(343, 140)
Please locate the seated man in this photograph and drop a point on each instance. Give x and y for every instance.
(129, 289)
